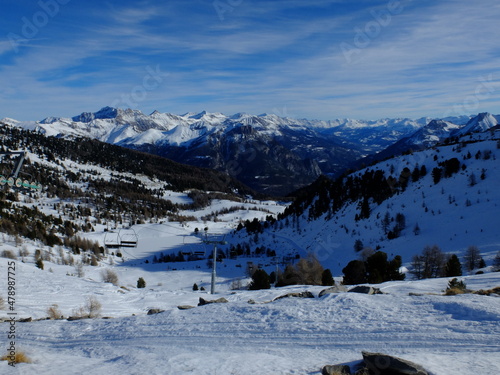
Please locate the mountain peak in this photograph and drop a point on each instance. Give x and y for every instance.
(103, 113)
(482, 122)
(198, 116)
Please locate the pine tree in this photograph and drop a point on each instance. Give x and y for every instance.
(358, 245)
(195, 287)
(415, 175)
(327, 278)
(453, 267)
(365, 209)
(436, 174)
(141, 283)
(377, 267)
(393, 269)
(354, 273)
(416, 230)
(386, 222)
(423, 171)
(472, 179)
(260, 280)
(400, 222)
(482, 263)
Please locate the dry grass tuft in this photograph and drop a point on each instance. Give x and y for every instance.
(454, 291)
(488, 292)
(19, 357)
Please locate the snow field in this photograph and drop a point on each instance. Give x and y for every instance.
(446, 334)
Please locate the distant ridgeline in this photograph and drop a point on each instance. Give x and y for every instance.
(179, 177)
(326, 196)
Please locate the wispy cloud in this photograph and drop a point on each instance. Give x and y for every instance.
(264, 55)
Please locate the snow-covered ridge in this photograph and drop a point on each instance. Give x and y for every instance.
(114, 125)
(454, 213)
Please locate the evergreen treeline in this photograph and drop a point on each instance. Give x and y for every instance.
(375, 270)
(92, 199)
(178, 177)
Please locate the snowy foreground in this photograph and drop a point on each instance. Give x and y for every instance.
(446, 334)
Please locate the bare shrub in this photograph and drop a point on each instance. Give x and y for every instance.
(310, 270)
(235, 285)
(93, 261)
(23, 251)
(18, 240)
(2, 303)
(46, 256)
(365, 253)
(91, 309)
(54, 313)
(80, 272)
(109, 276)
(9, 254)
(433, 262)
(472, 258)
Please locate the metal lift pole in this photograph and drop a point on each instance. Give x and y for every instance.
(19, 163)
(214, 261)
(214, 272)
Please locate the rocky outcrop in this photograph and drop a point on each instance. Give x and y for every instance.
(380, 363)
(377, 364)
(155, 311)
(305, 294)
(365, 290)
(336, 370)
(204, 302)
(185, 307)
(333, 289)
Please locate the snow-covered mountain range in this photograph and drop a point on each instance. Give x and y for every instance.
(94, 191)
(269, 153)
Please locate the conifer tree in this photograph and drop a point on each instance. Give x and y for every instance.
(260, 280)
(327, 278)
(453, 267)
(354, 273)
(141, 283)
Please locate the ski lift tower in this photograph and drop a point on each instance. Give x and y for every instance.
(213, 240)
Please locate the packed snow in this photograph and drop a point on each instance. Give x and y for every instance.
(446, 334)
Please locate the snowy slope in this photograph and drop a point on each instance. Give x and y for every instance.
(451, 214)
(480, 123)
(447, 335)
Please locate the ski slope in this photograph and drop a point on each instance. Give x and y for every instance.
(446, 334)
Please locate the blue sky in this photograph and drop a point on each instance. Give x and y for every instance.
(315, 59)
